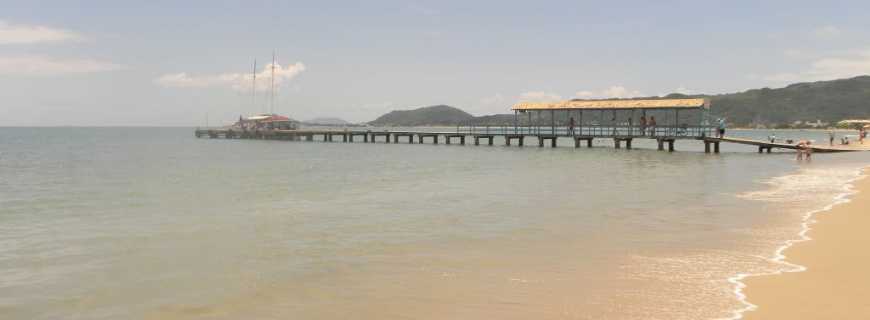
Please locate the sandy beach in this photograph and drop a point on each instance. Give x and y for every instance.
(836, 284)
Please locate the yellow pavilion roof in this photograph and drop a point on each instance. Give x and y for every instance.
(609, 104)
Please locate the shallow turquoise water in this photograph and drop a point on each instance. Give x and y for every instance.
(106, 223)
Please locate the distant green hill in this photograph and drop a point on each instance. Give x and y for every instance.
(828, 101)
(426, 116)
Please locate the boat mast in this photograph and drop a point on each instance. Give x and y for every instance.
(272, 90)
(254, 86)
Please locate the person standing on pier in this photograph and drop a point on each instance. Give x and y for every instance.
(652, 126)
(643, 125)
(721, 127)
(571, 126)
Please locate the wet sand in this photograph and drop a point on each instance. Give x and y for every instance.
(836, 284)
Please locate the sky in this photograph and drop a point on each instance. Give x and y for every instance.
(188, 63)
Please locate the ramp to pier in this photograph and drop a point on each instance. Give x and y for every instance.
(767, 145)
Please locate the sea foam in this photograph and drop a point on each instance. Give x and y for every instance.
(812, 191)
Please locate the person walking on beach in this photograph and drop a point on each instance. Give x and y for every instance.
(808, 150)
(721, 127)
(571, 127)
(862, 133)
(831, 137)
(801, 146)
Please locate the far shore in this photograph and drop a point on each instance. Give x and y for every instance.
(836, 284)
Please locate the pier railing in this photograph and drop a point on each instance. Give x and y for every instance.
(683, 131)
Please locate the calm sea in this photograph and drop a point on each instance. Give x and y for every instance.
(152, 223)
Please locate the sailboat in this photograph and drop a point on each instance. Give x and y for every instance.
(270, 120)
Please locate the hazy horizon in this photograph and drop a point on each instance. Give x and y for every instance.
(133, 64)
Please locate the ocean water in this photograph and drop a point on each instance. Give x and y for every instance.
(152, 223)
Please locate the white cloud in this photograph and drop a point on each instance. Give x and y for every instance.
(611, 92)
(827, 32)
(27, 34)
(683, 90)
(539, 96)
(236, 81)
(585, 94)
(46, 66)
(845, 65)
(620, 92)
(493, 99)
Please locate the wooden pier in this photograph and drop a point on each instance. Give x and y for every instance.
(767, 146)
(510, 137)
(583, 121)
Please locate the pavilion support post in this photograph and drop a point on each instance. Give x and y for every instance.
(716, 147)
(617, 144)
(661, 144)
(540, 141)
(670, 145)
(553, 141)
(576, 143)
(553, 122)
(516, 120)
(706, 146)
(628, 144)
(676, 120)
(530, 121)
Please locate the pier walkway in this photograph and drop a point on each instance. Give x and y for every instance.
(581, 121)
(767, 146)
(621, 136)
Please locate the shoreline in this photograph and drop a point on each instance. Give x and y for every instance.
(822, 277)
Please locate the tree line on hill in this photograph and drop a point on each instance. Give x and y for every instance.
(796, 105)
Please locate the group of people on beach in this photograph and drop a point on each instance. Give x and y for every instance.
(804, 150)
(844, 140)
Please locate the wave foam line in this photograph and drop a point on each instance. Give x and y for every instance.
(779, 256)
